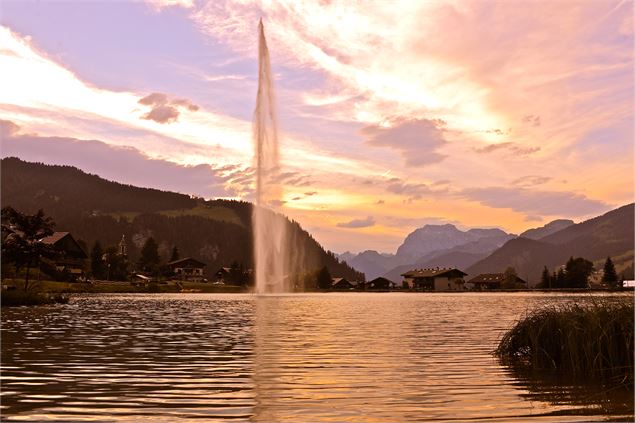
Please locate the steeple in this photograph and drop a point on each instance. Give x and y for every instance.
(123, 247)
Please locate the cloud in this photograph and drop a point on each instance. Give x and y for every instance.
(154, 99)
(162, 114)
(121, 164)
(7, 129)
(509, 146)
(417, 140)
(531, 180)
(531, 202)
(158, 5)
(533, 120)
(163, 109)
(532, 218)
(358, 223)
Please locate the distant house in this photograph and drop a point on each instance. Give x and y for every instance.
(489, 281)
(71, 258)
(341, 284)
(380, 284)
(187, 269)
(435, 279)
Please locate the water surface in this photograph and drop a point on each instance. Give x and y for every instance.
(300, 358)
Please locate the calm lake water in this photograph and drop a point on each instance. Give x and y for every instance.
(296, 358)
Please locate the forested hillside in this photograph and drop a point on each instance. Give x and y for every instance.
(217, 232)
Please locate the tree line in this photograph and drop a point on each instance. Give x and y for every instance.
(575, 274)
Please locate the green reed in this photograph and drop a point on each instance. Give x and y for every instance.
(589, 339)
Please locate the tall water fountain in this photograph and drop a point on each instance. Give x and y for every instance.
(270, 251)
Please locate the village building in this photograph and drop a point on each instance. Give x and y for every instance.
(490, 281)
(224, 275)
(435, 279)
(123, 247)
(342, 284)
(187, 269)
(70, 259)
(380, 284)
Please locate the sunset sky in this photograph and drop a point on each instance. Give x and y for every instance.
(393, 114)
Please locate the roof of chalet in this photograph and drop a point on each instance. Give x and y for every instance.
(491, 278)
(187, 259)
(380, 279)
(70, 245)
(53, 239)
(431, 272)
(335, 281)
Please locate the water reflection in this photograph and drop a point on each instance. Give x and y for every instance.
(610, 397)
(332, 357)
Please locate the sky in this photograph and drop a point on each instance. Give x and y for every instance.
(392, 115)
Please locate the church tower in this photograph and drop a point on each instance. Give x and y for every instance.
(123, 247)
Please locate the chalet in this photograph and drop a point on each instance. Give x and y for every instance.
(71, 259)
(435, 279)
(187, 269)
(489, 281)
(380, 284)
(341, 284)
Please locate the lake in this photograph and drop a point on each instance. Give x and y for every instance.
(340, 357)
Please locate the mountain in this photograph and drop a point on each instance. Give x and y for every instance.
(217, 232)
(432, 238)
(465, 248)
(372, 263)
(548, 229)
(608, 235)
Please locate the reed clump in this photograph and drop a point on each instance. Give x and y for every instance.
(588, 339)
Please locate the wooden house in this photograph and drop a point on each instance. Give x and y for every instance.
(435, 279)
(70, 260)
(490, 281)
(341, 284)
(187, 269)
(380, 284)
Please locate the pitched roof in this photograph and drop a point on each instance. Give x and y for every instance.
(186, 259)
(53, 239)
(380, 279)
(431, 272)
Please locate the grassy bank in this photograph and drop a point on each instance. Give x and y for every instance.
(52, 292)
(591, 339)
(16, 298)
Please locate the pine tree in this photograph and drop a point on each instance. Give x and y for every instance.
(610, 275)
(545, 279)
(149, 260)
(97, 265)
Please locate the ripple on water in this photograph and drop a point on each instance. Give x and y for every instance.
(340, 357)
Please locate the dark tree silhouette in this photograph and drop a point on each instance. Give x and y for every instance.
(149, 261)
(116, 265)
(610, 275)
(577, 272)
(97, 265)
(21, 235)
(545, 279)
(324, 278)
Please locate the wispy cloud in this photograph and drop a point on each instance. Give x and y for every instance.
(417, 140)
(536, 202)
(164, 110)
(358, 223)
